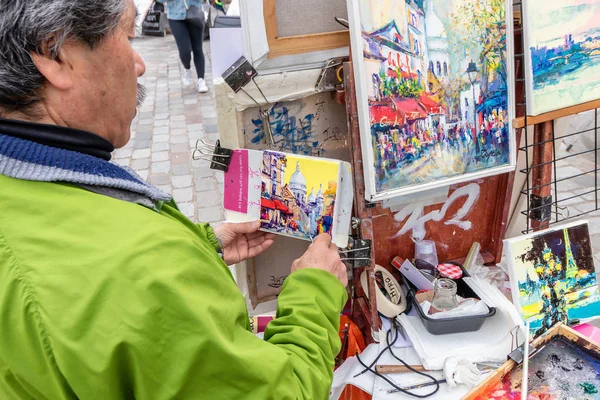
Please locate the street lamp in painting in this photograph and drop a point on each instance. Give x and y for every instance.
(472, 74)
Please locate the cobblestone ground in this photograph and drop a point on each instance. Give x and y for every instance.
(165, 132)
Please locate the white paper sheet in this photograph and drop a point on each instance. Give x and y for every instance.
(226, 47)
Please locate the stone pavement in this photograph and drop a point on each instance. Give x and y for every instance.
(166, 129)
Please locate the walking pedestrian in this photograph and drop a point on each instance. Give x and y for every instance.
(189, 39)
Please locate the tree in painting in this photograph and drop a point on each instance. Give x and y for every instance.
(556, 278)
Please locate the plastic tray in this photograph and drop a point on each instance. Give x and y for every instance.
(458, 324)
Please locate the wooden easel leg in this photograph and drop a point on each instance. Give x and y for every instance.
(541, 176)
(366, 228)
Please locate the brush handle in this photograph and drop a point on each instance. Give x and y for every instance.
(419, 386)
(525, 380)
(398, 369)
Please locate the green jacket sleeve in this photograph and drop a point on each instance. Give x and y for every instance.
(306, 328)
(205, 350)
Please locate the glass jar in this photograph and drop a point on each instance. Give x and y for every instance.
(444, 296)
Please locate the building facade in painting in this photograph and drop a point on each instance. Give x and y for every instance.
(286, 207)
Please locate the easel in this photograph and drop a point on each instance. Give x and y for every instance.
(489, 217)
(542, 168)
(378, 224)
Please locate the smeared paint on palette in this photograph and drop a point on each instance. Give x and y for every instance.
(561, 370)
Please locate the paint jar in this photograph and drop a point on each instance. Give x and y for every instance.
(444, 296)
(425, 250)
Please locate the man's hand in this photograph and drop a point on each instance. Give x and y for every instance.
(322, 254)
(242, 241)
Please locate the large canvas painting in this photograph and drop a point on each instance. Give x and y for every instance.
(298, 195)
(434, 91)
(563, 56)
(553, 277)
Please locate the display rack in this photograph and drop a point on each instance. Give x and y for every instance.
(546, 200)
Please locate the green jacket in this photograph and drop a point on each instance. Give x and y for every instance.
(105, 299)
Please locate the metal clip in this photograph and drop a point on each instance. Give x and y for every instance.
(359, 251)
(219, 157)
(265, 115)
(326, 70)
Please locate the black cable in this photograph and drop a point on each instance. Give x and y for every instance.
(409, 301)
(369, 368)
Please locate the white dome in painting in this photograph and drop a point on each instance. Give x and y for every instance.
(297, 181)
(433, 24)
(311, 197)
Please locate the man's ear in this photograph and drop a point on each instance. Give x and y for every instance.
(56, 67)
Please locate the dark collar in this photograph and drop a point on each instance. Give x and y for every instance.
(58, 136)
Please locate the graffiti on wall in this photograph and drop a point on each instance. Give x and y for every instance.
(312, 126)
(417, 218)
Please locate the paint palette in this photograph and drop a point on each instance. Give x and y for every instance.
(567, 366)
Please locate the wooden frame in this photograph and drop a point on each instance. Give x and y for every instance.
(552, 115)
(281, 46)
(558, 330)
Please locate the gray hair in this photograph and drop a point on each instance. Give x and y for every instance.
(43, 26)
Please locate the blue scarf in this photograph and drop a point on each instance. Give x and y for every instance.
(28, 160)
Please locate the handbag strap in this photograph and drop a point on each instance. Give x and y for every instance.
(185, 4)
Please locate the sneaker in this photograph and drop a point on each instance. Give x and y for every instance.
(202, 88)
(187, 77)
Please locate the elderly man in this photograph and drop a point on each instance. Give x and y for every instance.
(106, 290)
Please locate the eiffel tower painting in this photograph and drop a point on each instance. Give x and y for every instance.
(572, 270)
(553, 278)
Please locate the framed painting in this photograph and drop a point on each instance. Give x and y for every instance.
(553, 277)
(562, 59)
(435, 93)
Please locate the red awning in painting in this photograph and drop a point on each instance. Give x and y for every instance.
(432, 106)
(385, 114)
(411, 108)
(391, 73)
(266, 203)
(408, 75)
(281, 207)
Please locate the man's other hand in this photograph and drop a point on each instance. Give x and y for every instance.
(323, 254)
(242, 241)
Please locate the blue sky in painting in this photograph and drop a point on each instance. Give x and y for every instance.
(549, 24)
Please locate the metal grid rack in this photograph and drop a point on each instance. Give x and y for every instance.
(550, 193)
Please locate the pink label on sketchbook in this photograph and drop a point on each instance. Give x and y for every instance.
(235, 197)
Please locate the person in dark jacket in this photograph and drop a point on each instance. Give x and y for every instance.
(189, 39)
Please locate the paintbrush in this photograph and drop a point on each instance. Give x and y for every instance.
(419, 386)
(398, 369)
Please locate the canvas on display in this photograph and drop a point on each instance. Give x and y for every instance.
(292, 195)
(434, 91)
(553, 278)
(562, 38)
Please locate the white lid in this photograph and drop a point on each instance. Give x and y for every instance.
(426, 247)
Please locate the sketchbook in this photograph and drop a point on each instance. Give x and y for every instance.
(553, 277)
(292, 195)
